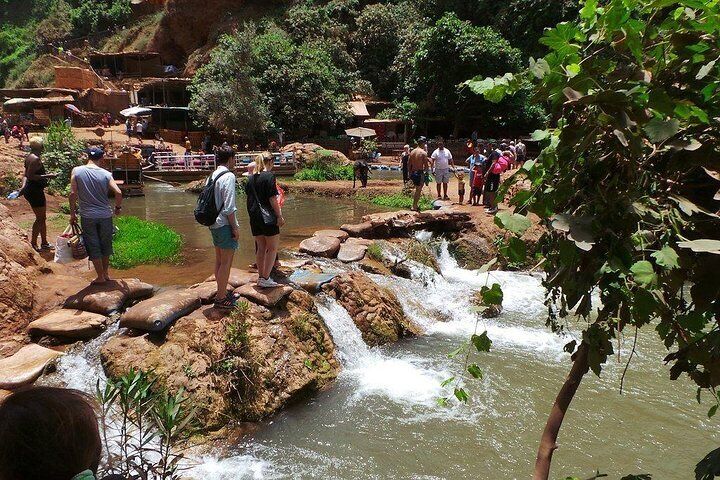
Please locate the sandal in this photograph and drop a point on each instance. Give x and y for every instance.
(227, 303)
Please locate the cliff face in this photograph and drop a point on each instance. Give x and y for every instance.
(189, 28)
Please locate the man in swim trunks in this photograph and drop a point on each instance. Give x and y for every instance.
(417, 166)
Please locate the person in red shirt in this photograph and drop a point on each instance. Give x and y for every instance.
(478, 182)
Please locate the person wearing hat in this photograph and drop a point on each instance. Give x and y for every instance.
(33, 189)
(90, 186)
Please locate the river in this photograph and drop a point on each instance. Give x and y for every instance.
(174, 207)
(380, 419)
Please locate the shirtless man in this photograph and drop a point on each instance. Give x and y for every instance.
(417, 166)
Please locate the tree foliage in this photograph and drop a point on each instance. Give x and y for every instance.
(224, 92)
(61, 153)
(628, 182)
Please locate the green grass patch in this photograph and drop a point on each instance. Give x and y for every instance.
(398, 200)
(139, 242)
(374, 252)
(324, 172)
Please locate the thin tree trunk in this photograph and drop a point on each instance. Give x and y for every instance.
(548, 442)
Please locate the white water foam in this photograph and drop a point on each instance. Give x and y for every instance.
(242, 467)
(441, 304)
(401, 379)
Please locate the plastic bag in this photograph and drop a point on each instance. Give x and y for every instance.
(63, 251)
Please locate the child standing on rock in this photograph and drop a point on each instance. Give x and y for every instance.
(461, 186)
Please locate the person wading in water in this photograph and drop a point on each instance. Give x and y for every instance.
(33, 189)
(417, 166)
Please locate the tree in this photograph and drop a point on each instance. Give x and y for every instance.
(376, 43)
(628, 187)
(302, 87)
(223, 92)
(446, 53)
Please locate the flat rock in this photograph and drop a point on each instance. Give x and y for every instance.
(109, 297)
(25, 366)
(341, 235)
(267, 297)
(157, 313)
(295, 263)
(238, 278)
(351, 252)
(359, 241)
(321, 246)
(364, 229)
(310, 281)
(206, 291)
(66, 323)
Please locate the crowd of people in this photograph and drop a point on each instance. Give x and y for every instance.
(16, 130)
(486, 162)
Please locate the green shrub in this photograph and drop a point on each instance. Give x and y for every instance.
(399, 200)
(325, 172)
(9, 183)
(374, 252)
(61, 153)
(140, 242)
(65, 208)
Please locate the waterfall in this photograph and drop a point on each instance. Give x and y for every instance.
(404, 379)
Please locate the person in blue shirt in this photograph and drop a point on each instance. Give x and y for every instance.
(476, 158)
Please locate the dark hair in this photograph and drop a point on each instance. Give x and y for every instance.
(48, 433)
(224, 154)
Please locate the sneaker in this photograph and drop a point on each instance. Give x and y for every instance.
(267, 283)
(47, 246)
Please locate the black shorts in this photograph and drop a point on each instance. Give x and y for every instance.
(35, 197)
(492, 183)
(259, 229)
(417, 177)
(477, 191)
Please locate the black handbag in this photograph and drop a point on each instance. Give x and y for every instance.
(268, 216)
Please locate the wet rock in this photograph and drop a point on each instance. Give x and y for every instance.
(109, 297)
(295, 263)
(310, 281)
(375, 310)
(244, 365)
(402, 223)
(66, 323)
(25, 366)
(320, 246)
(155, 314)
(370, 265)
(472, 251)
(238, 277)
(267, 297)
(351, 252)
(339, 234)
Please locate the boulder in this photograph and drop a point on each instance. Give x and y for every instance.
(341, 235)
(109, 297)
(351, 252)
(310, 281)
(240, 366)
(472, 251)
(375, 310)
(401, 223)
(156, 313)
(25, 366)
(358, 229)
(65, 323)
(320, 246)
(238, 277)
(267, 297)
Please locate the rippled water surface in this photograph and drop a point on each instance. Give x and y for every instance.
(380, 418)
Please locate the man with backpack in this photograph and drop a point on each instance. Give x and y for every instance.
(216, 209)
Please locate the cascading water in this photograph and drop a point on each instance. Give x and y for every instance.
(380, 420)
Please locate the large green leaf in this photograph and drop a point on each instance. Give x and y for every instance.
(643, 273)
(666, 257)
(492, 295)
(514, 222)
(659, 130)
(481, 342)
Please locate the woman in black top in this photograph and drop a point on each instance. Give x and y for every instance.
(265, 218)
(33, 189)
